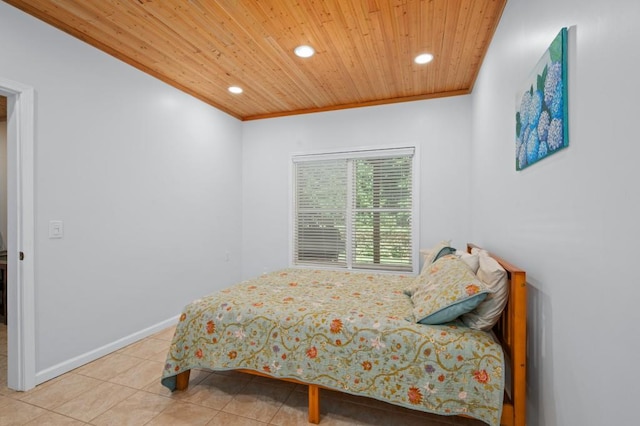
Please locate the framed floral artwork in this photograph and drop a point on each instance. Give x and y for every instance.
(541, 107)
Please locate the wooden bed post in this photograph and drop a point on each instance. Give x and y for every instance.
(511, 330)
(182, 380)
(519, 350)
(314, 404)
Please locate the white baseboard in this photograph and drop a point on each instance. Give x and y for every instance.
(80, 360)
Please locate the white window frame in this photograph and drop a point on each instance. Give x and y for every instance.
(360, 152)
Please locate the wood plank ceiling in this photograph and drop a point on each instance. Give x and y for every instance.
(364, 48)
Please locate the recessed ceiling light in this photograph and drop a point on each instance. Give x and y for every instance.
(235, 90)
(424, 58)
(304, 51)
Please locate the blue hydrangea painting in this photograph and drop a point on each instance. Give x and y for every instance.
(541, 116)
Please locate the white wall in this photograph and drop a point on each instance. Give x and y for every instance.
(146, 180)
(440, 128)
(571, 220)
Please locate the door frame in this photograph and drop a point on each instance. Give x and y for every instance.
(21, 370)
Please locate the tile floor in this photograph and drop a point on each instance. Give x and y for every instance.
(124, 388)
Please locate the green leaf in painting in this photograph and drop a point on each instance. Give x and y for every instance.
(555, 50)
(518, 123)
(540, 83)
(542, 78)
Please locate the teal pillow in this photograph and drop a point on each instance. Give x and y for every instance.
(453, 311)
(443, 252)
(446, 290)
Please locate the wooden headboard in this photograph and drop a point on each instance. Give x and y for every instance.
(511, 330)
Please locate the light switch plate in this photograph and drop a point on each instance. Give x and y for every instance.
(56, 229)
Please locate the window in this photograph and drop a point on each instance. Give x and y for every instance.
(355, 210)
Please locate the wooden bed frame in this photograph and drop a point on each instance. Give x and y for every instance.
(511, 330)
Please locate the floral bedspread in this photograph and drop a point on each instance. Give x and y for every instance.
(348, 331)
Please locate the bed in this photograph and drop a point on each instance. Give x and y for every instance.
(356, 332)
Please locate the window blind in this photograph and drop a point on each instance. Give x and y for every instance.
(354, 210)
(321, 202)
(381, 214)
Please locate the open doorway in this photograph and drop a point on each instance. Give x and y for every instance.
(21, 365)
(3, 247)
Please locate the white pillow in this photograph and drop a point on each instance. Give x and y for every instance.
(473, 260)
(487, 313)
